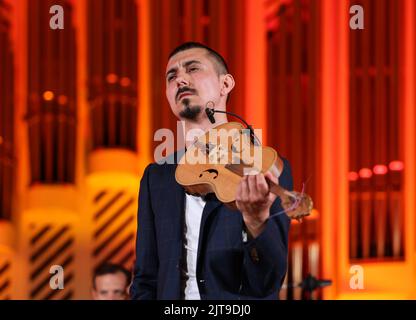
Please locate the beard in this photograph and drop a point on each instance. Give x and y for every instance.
(190, 112)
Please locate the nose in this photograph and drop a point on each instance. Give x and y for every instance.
(182, 79)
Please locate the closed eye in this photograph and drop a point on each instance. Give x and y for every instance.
(192, 69)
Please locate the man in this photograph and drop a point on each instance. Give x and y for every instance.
(110, 282)
(195, 247)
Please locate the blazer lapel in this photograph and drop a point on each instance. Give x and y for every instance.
(176, 218)
(178, 206)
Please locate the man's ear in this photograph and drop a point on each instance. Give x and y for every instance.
(228, 84)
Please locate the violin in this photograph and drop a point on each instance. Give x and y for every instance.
(218, 160)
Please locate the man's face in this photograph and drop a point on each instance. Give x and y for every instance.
(110, 287)
(191, 82)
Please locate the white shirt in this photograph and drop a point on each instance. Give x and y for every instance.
(193, 214)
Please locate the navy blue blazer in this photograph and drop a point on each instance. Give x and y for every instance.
(227, 266)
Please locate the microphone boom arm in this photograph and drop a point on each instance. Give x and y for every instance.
(210, 113)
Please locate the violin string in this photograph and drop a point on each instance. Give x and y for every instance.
(293, 206)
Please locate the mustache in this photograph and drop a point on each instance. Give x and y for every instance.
(184, 89)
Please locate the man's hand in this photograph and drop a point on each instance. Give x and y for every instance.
(254, 200)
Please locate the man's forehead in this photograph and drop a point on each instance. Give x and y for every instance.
(111, 277)
(197, 54)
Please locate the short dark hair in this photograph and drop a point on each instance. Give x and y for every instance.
(221, 65)
(110, 268)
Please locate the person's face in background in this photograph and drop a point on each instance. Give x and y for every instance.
(111, 286)
(192, 81)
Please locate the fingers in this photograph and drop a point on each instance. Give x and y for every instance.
(257, 187)
(238, 192)
(245, 189)
(242, 190)
(262, 186)
(271, 177)
(248, 186)
(253, 198)
(253, 189)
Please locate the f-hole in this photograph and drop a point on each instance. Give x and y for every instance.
(210, 171)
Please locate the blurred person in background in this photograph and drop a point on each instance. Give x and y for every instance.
(111, 282)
